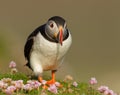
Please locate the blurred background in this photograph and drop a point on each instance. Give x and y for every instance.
(95, 28)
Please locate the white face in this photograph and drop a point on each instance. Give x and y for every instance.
(51, 29)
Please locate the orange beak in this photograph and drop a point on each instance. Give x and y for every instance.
(60, 35)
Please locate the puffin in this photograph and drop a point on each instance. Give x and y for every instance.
(47, 46)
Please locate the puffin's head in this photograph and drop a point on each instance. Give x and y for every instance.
(56, 28)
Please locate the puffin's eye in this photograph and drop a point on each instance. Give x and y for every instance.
(51, 25)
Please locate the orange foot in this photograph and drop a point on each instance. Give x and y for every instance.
(52, 81)
(41, 80)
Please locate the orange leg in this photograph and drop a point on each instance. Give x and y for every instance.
(40, 80)
(52, 81)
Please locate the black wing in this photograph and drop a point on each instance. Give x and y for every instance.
(30, 42)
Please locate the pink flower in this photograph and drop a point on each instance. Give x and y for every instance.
(53, 89)
(57, 84)
(12, 64)
(34, 84)
(44, 82)
(106, 90)
(102, 89)
(109, 92)
(3, 85)
(18, 84)
(93, 81)
(75, 84)
(10, 90)
(27, 87)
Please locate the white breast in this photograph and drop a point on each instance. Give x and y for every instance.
(47, 55)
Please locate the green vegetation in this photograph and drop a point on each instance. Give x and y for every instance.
(16, 83)
(67, 89)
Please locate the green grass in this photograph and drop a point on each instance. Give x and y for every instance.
(67, 89)
(16, 76)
